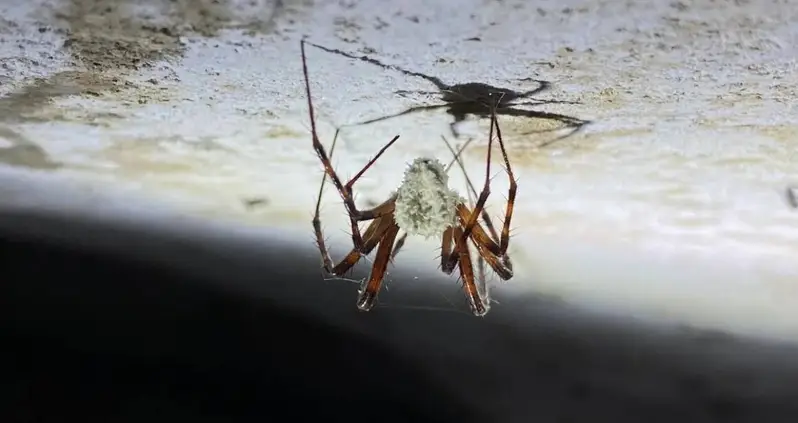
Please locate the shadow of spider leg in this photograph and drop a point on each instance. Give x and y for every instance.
(792, 197)
(407, 93)
(538, 102)
(408, 111)
(461, 110)
(363, 58)
(569, 121)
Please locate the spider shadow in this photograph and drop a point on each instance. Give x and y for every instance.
(472, 98)
(792, 197)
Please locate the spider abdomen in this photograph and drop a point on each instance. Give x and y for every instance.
(425, 205)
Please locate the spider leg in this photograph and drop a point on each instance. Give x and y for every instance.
(479, 233)
(472, 194)
(492, 248)
(489, 248)
(325, 253)
(456, 154)
(375, 232)
(345, 191)
(371, 236)
(461, 256)
(508, 214)
(448, 259)
(371, 287)
(483, 279)
(472, 220)
(355, 215)
(398, 246)
(408, 111)
(469, 219)
(480, 304)
(500, 264)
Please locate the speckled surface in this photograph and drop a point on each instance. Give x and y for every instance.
(670, 205)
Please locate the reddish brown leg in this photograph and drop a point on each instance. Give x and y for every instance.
(372, 235)
(399, 244)
(374, 232)
(484, 243)
(448, 260)
(320, 243)
(492, 248)
(371, 288)
(472, 194)
(461, 256)
(479, 304)
(345, 190)
(483, 196)
(497, 263)
(508, 214)
(472, 220)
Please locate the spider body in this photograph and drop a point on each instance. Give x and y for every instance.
(423, 205)
(472, 98)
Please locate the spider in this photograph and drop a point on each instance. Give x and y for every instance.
(422, 205)
(472, 98)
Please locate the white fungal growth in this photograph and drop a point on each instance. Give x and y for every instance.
(425, 205)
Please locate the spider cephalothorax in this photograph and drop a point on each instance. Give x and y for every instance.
(423, 205)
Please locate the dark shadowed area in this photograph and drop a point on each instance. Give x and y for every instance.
(120, 323)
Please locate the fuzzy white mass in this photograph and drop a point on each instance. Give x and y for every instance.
(425, 205)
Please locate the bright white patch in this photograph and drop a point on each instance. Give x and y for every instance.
(425, 205)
